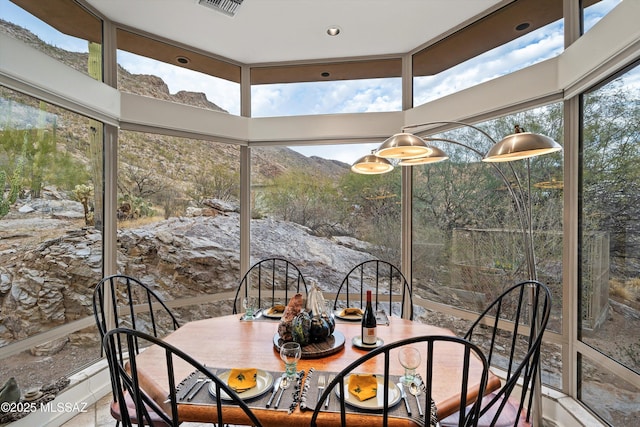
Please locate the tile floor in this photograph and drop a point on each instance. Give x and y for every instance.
(99, 416)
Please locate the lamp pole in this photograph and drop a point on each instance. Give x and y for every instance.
(523, 205)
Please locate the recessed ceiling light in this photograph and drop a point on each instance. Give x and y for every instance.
(523, 26)
(333, 31)
(182, 59)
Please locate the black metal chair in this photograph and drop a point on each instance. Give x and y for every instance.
(389, 287)
(515, 350)
(123, 346)
(131, 304)
(127, 302)
(270, 281)
(424, 344)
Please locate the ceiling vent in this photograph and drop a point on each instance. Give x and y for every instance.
(228, 7)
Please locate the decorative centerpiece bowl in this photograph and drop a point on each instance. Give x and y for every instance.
(311, 325)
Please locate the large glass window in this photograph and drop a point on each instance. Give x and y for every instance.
(76, 42)
(467, 236)
(179, 77)
(531, 48)
(595, 12)
(613, 398)
(610, 230)
(544, 43)
(335, 97)
(50, 238)
(318, 214)
(178, 219)
(350, 96)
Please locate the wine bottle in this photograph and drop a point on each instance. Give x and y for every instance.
(369, 332)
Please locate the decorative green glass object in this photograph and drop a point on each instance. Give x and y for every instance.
(10, 392)
(301, 328)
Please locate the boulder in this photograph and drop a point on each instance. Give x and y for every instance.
(49, 348)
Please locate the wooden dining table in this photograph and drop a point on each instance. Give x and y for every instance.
(228, 342)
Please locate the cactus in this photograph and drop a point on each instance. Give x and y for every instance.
(83, 194)
(7, 200)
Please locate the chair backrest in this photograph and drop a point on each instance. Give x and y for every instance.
(443, 347)
(387, 284)
(122, 346)
(270, 281)
(516, 352)
(131, 304)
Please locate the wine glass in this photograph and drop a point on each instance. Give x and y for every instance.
(328, 309)
(409, 358)
(247, 304)
(290, 353)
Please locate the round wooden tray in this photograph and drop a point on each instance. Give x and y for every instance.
(331, 345)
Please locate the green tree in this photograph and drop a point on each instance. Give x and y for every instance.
(465, 193)
(44, 147)
(66, 172)
(14, 187)
(374, 205)
(611, 177)
(31, 131)
(216, 182)
(139, 182)
(306, 199)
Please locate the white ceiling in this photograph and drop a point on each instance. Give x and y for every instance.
(268, 31)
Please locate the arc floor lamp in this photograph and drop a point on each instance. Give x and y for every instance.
(409, 150)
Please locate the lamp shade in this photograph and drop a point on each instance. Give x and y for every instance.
(521, 146)
(403, 146)
(371, 165)
(436, 155)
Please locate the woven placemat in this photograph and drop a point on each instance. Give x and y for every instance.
(310, 395)
(288, 402)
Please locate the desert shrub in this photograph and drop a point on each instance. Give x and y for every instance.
(618, 289)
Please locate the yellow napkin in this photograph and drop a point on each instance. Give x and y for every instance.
(242, 379)
(363, 386)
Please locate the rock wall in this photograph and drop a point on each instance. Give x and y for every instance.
(50, 283)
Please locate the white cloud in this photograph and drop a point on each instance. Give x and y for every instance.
(525, 51)
(355, 96)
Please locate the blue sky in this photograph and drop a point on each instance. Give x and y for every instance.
(333, 97)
